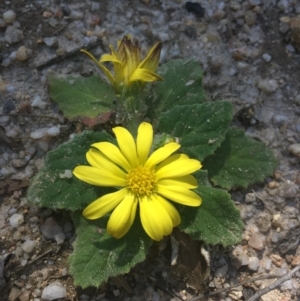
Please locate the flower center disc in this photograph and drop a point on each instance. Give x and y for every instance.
(141, 181)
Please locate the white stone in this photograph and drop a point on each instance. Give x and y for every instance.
(53, 131)
(51, 41)
(267, 85)
(59, 238)
(9, 17)
(38, 134)
(16, 220)
(38, 103)
(54, 291)
(295, 149)
(267, 57)
(253, 264)
(28, 246)
(67, 174)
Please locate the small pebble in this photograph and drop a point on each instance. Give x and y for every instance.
(295, 149)
(53, 131)
(253, 264)
(250, 17)
(28, 246)
(277, 220)
(16, 220)
(38, 103)
(257, 241)
(250, 197)
(280, 119)
(51, 42)
(254, 2)
(47, 14)
(24, 296)
(23, 53)
(54, 291)
(38, 134)
(95, 6)
(9, 17)
(13, 35)
(14, 293)
(267, 57)
(59, 238)
(288, 190)
(50, 228)
(267, 85)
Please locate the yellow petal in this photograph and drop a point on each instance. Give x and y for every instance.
(188, 182)
(152, 59)
(144, 141)
(103, 68)
(99, 160)
(144, 75)
(121, 53)
(109, 58)
(105, 204)
(113, 153)
(122, 217)
(180, 195)
(127, 145)
(178, 165)
(161, 154)
(155, 219)
(99, 177)
(90, 56)
(107, 74)
(172, 211)
(132, 57)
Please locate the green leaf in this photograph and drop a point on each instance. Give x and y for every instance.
(98, 256)
(89, 99)
(216, 221)
(240, 161)
(201, 128)
(49, 189)
(181, 85)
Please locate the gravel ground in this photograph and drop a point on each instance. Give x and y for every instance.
(249, 51)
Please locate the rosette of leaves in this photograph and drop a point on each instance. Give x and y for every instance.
(177, 107)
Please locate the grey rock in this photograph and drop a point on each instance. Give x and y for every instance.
(254, 2)
(50, 228)
(13, 35)
(288, 189)
(51, 42)
(250, 17)
(280, 119)
(267, 57)
(95, 6)
(54, 291)
(9, 17)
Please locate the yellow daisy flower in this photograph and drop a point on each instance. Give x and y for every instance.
(128, 67)
(143, 179)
